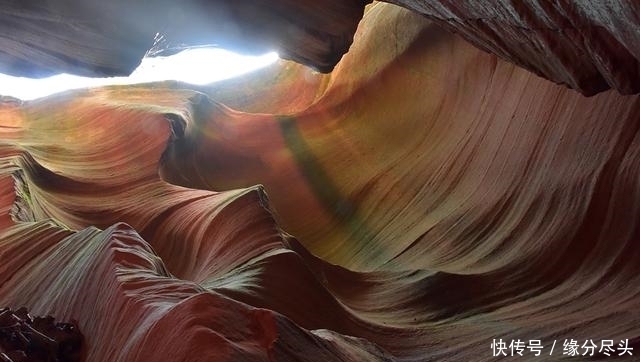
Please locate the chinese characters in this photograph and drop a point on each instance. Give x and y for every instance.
(570, 347)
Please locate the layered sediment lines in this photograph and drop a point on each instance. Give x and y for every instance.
(423, 199)
(588, 45)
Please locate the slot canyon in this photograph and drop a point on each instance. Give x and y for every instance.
(414, 180)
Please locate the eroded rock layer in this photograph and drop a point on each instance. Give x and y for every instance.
(438, 197)
(589, 45)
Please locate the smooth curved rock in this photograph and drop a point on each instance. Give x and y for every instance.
(588, 45)
(181, 295)
(423, 199)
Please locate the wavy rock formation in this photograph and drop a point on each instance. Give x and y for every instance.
(424, 199)
(589, 45)
(176, 294)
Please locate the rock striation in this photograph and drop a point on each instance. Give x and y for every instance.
(423, 200)
(588, 45)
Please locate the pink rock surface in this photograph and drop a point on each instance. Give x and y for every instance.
(424, 199)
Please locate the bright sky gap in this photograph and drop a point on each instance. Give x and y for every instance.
(195, 66)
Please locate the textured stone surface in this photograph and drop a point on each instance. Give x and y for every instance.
(588, 45)
(423, 199)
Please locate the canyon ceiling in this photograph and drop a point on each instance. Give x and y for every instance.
(410, 183)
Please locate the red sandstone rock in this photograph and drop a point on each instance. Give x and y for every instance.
(438, 197)
(588, 45)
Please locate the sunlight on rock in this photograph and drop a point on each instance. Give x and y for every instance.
(462, 184)
(195, 66)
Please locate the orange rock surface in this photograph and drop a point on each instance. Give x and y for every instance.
(419, 202)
